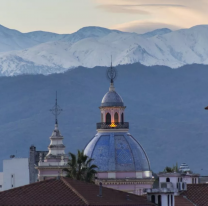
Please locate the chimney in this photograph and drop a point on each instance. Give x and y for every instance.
(100, 190)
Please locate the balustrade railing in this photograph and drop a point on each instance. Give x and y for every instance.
(113, 125)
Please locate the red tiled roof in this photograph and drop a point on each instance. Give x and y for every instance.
(67, 192)
(197, 193)
(181, 201)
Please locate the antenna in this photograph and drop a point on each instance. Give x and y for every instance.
(56, 110)
(111, 72)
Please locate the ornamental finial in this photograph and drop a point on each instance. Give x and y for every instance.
(111, 72)
(56, 110)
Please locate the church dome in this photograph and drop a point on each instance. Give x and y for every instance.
(112, 98)
(117, 152)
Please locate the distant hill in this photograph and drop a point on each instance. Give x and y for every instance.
(165, 108)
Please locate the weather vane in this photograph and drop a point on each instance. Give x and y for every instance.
(56, 110)
(111, 73)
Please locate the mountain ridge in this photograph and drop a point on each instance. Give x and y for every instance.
(46, 53)
(165, 109)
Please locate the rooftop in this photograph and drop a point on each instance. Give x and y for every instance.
(197, 194)
(182, 201)
(67, 192)
(176, 174)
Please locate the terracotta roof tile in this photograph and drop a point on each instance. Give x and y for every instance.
(197, 193)
(181, 201)
(67, 192)
(109, 196)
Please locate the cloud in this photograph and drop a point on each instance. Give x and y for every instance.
(133, 8)
(158, 5)
(122, 9)
(141, 27)
(154, 14)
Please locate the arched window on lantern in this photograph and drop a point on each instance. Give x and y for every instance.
(108, 118)
(116, 117)
(122, 118)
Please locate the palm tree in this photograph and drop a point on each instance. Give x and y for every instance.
(80, 167)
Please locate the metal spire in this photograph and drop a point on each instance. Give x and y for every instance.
(56, 110)
(111, 72)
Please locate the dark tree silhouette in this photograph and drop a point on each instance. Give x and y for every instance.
(80, 168)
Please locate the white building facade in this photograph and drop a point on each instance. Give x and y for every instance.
(171, 185)
(15, 173)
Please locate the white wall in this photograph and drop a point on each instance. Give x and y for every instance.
(165, 199)
(16, 173)
(174, 180)
(1, 181)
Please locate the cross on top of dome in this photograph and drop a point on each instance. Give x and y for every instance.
(56, 110)
(111, 72)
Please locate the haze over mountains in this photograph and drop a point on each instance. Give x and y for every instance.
(165, 109)
(46, 53)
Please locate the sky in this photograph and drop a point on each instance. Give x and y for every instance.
(68, 16)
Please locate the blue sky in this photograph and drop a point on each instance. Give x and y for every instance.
(67, 16)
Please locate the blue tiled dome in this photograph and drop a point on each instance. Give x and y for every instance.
(117, 152)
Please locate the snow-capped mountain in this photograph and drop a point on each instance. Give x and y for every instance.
(86, 32)
(14, 40)
(46, 53)
(156, 32)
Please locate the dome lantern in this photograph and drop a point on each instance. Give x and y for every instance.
(112, 107)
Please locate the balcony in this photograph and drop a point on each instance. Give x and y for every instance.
(113, 125)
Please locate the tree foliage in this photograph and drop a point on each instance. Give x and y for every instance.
(79, 167)
(171, 169)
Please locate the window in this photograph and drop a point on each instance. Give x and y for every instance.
(153, 199)
(171, 200)
(122, 118)
(159, 200)
(12, 181)
(108, 118)
(0, 186)
(168, 179)
(168, 200)
(116, 117)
